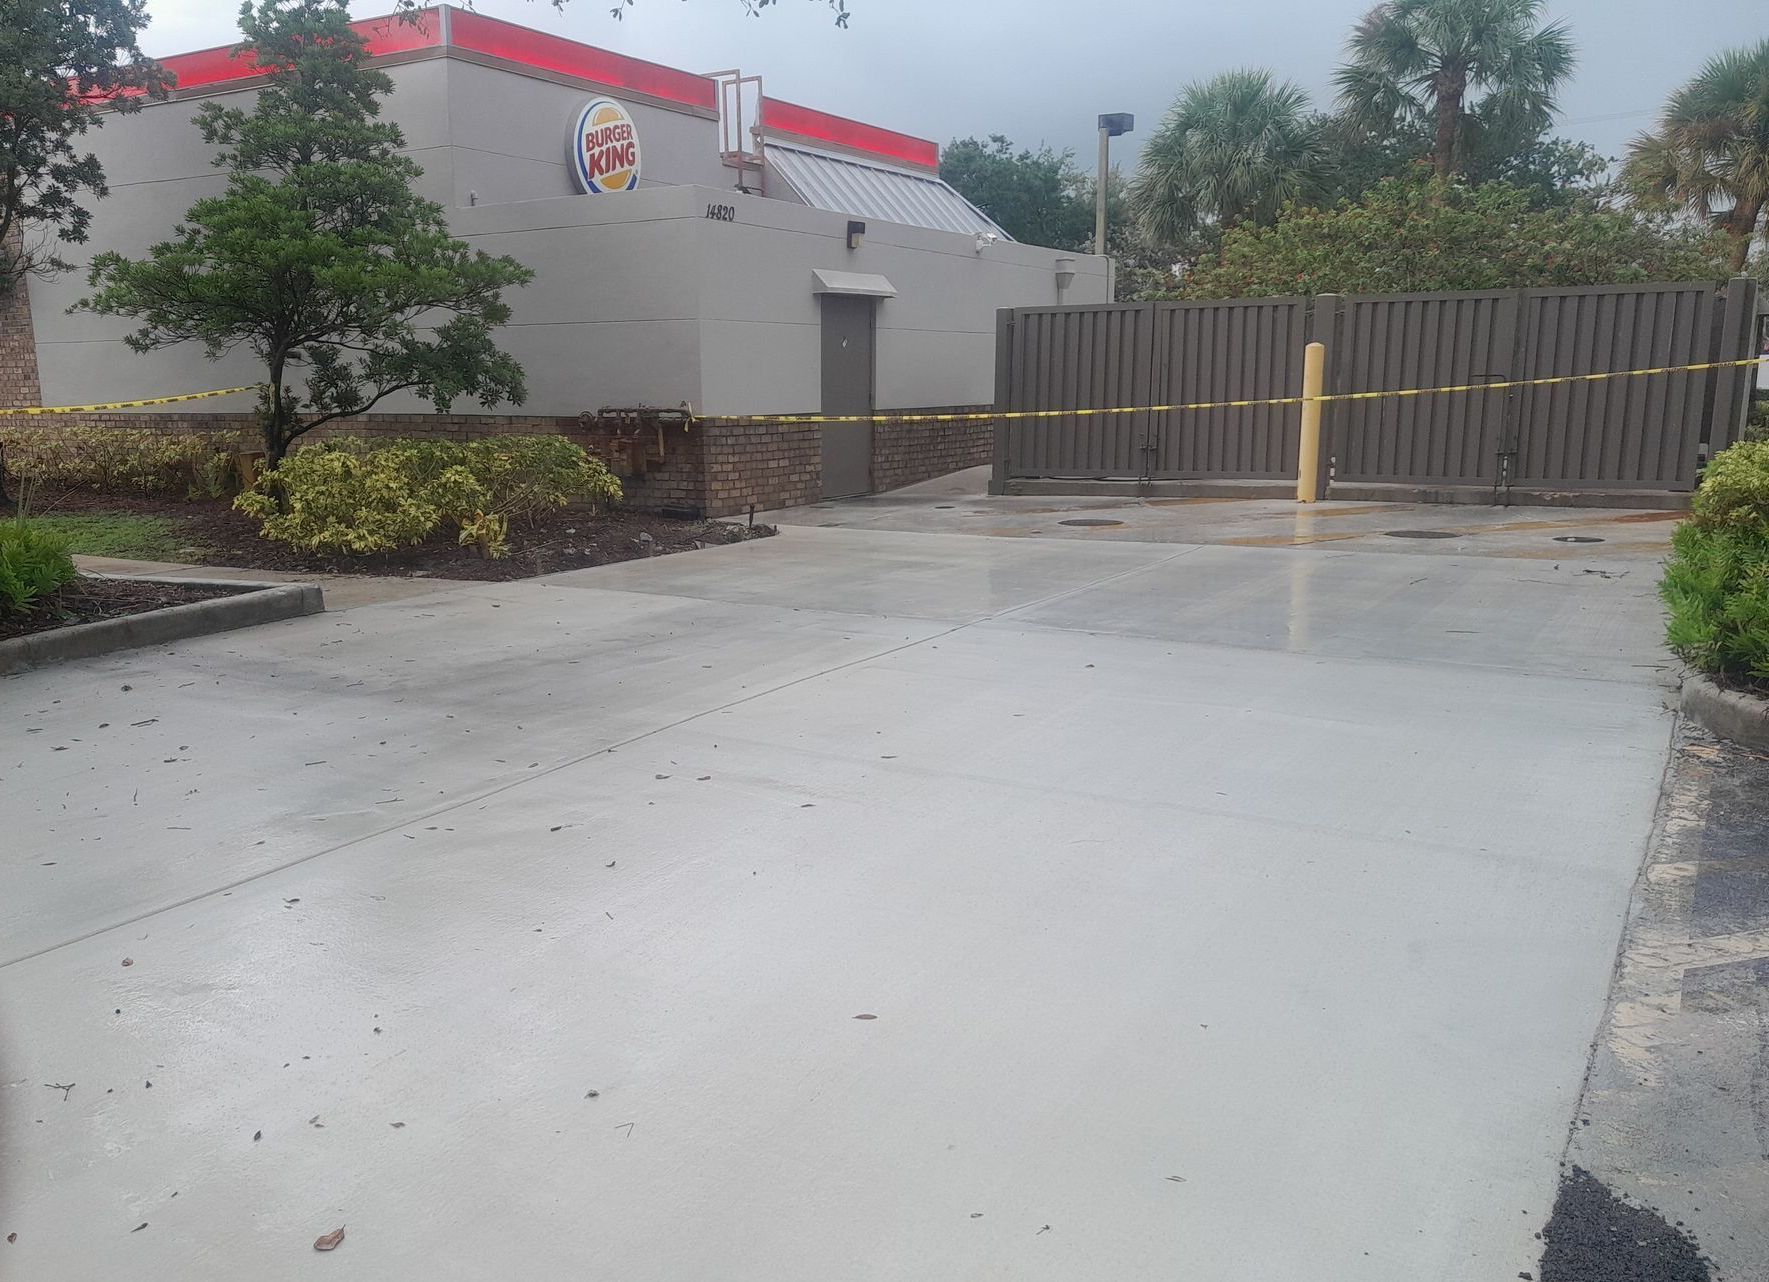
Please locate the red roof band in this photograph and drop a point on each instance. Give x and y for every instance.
(530, 48)
(806, 122)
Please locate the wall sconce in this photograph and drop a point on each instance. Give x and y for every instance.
(986, 239)
(856, 234)
(1065, 273)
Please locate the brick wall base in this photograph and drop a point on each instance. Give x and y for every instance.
(905, 453)
(710, 468)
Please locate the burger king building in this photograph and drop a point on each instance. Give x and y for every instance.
(703, 253)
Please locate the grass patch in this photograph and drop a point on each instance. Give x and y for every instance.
(120, 534)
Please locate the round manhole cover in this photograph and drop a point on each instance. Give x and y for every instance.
(1577, 538)
(1092, 522)
(1422, 534)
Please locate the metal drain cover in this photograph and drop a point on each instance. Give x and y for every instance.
(1092, 522)
(1423, 534)
(1577, 538)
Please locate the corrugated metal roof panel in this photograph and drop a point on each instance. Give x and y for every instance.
(847, 186)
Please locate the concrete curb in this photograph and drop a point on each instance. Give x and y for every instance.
(1731, 714)
(256, 603)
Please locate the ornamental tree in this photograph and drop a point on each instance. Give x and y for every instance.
(319, 258)
(63, 66)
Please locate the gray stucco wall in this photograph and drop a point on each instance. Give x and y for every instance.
(936, 339)
(638, 297)
(510, 136)
(641, 298)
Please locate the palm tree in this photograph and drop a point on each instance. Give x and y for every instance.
(1232, 149)
(1710, 152)
(1417, 62)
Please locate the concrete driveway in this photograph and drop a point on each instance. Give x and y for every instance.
(856, 904)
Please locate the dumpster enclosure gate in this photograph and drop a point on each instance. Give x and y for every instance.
(1639, 435)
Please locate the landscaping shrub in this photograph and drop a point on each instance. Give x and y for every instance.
(1716, 582)
(1756, 427)
(196, 464)
(526, 475)
(358, 495)
(33, 563)
(339, 500)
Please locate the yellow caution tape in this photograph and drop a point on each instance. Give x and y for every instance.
(123, 405)
(996, 416)
(1002, 416)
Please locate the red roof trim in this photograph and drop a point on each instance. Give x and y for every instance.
(219, 65)
(806, 122)
(546, 52)
(530, 48)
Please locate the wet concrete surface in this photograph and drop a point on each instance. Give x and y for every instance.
(959, 504)
(1231, 912)
(1676, 1113)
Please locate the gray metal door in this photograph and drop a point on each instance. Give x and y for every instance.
(847, 389)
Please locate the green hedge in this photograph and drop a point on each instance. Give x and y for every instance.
(1716, 582)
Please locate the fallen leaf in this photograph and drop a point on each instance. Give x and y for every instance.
(866, 1017)
(128, 961)
(329, 1241)
(1177, 1179)
(139, 1227)
(256, 1136)
(12, 1237)
(398, 1126)
(592, 1094)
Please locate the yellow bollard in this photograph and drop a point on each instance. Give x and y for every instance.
(1308, 463)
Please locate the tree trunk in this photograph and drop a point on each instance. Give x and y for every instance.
(1452, 86)
(1742, 226)
(276, 440)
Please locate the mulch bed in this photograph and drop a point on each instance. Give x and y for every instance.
(88, 600)
(561, 540)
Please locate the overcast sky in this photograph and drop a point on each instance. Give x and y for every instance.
(1042, 70)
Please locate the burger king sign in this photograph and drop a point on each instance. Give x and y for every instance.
(605, 148)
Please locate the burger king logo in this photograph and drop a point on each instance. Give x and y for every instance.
(605, 148)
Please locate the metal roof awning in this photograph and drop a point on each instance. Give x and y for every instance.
(864, 284)
(844, 185)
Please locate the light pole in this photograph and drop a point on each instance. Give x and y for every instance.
(1110, 127)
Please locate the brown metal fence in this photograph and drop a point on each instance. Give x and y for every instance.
(1641, 434)
(1054, 358)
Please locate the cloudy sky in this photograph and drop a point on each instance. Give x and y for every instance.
(1042, 70)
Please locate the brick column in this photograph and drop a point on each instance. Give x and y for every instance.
(18, 349)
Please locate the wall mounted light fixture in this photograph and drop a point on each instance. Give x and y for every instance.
(856, 234)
